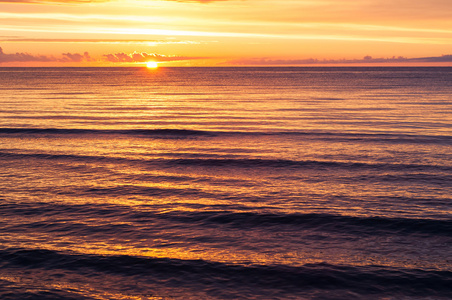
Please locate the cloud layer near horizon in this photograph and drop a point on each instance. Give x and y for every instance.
(314, 61)
(144, 57)
(27, 57)
(24, 57)
(85, 57)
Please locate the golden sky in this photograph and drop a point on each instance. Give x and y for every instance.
(225, 32)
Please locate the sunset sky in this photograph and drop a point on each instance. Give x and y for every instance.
(225, 32)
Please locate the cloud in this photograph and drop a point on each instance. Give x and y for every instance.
(314, 61)
(144, 57)
(26, 57)
(443, 58)
(23, 57)
(68, 57)
(76, 57)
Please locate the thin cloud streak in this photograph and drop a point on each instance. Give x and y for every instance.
(206, 34)
(145, 26)
(8, 39)
(295, 25)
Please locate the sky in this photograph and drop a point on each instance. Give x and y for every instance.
(225, 32)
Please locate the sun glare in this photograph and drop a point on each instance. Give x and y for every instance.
(152, 65)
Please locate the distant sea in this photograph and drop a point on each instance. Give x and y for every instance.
(226, 183)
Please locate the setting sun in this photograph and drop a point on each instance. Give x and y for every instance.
(152, 65)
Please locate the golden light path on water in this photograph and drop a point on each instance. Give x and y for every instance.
(215, 185)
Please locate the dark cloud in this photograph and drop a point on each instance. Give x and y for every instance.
(443, 58)
(76, 57)
(26, 57)
(313, 61)
(144, 57)
(23, 57)
(68, 57)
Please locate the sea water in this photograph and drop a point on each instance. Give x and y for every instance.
(226, 183)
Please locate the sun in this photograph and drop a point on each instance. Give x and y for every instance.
(152, 65)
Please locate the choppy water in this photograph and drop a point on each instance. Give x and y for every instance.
(226, 183)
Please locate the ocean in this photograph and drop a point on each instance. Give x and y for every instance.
(226, 183)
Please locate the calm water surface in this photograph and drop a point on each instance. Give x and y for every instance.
(226, 183)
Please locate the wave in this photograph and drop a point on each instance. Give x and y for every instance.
(355, 225)
(323, 222)
(241, 279)
(242, 163)
(440, 179)
(13, 290)
(304, 164)
(140, 190)
(150, 132)
(174, 132)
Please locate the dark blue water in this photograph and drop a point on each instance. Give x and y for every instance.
(226, 183)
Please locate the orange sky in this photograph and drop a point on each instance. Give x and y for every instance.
(225, 32)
